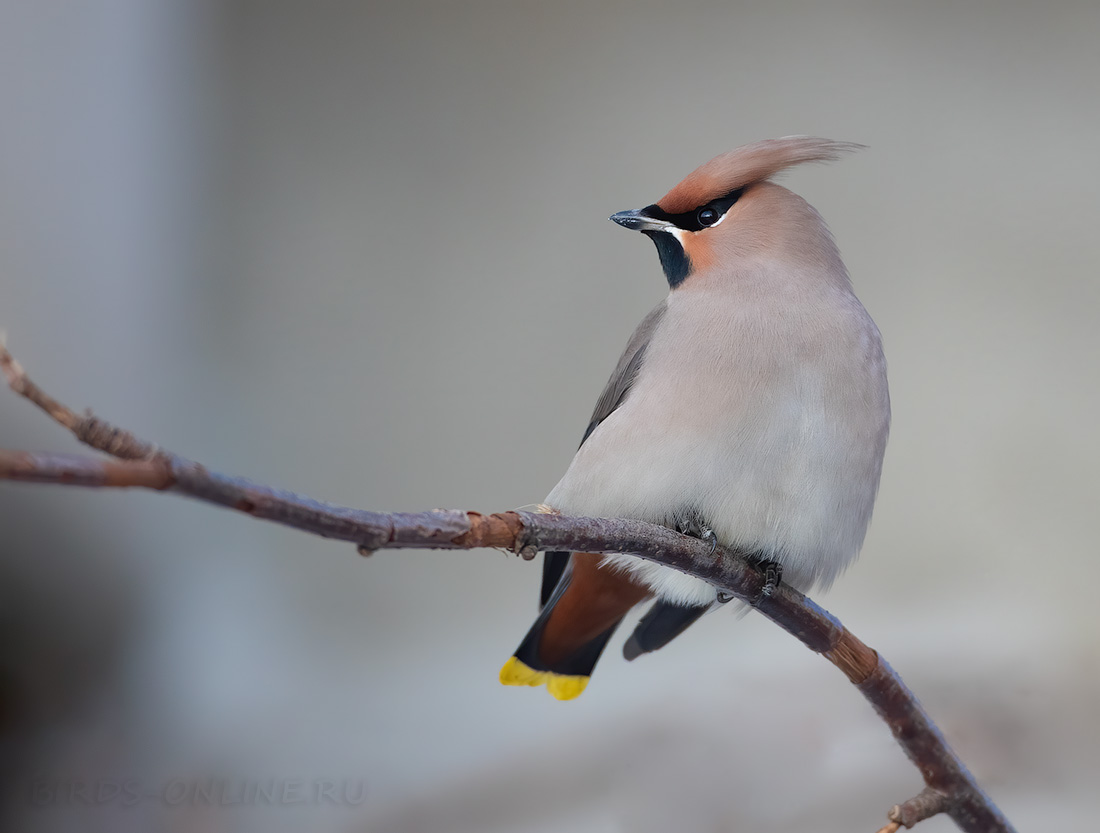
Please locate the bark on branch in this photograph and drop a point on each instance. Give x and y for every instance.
(949, 787)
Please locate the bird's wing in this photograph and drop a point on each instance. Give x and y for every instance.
(614, 393)
(618, 385)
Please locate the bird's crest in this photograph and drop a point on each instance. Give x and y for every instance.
(746, 165)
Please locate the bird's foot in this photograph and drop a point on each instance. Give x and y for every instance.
(773, 575)
(692, 525)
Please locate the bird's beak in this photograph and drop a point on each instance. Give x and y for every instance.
(638, 220)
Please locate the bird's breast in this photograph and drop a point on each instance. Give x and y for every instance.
(765, 416)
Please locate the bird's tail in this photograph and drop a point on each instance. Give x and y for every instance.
(663, 623)
(573, 628)
(564, 679)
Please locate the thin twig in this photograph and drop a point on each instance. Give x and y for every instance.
(88, 428)
(950, 788)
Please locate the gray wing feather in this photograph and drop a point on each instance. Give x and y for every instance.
(626, 370)
(554, 564)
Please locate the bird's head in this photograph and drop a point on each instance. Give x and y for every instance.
(726, 210)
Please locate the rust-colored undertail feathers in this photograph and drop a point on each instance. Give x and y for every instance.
(566, 641)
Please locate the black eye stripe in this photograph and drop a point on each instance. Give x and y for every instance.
(689, 220)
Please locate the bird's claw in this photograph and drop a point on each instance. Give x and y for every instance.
(693, 525)
(773, 575)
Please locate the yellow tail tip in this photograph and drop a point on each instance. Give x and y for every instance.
(515, 672)
(560, 686)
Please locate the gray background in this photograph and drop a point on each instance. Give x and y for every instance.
(360, 251)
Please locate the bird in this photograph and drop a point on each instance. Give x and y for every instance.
(750, 408)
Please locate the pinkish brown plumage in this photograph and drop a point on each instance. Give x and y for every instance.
(745, 165)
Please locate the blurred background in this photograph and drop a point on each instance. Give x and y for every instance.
(360, 250)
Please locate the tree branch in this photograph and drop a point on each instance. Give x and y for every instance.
(950, 788)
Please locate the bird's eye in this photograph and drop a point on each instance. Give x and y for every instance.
(707, 216)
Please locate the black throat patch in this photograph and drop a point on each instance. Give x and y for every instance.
(674, 259)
